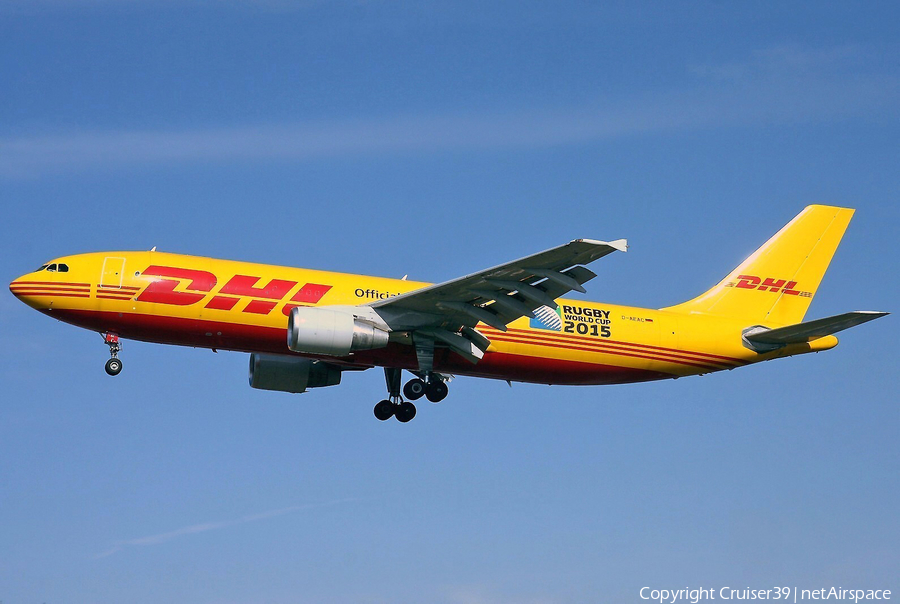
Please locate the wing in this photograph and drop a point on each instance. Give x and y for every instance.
(446, 314)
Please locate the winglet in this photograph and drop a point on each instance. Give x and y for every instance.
(619, 244)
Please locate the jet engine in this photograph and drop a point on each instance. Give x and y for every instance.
(291, 374)
(334, 331)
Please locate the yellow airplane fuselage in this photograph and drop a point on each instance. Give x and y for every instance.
(228, 305)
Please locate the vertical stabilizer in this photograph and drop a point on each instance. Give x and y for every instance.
(778, 281)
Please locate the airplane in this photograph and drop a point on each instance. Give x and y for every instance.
(304, 328)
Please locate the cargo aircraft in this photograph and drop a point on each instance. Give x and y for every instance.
(303, 328)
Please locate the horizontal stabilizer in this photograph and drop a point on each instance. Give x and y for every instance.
(762, 339)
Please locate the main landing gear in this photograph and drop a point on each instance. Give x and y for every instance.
(113, 365)
(435, 390)
(432, 387)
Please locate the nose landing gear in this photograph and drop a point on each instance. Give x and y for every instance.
(113, 365)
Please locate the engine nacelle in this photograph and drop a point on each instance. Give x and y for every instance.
(291, 374)
(335, 331)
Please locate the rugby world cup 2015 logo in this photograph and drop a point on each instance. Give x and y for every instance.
(547, 318)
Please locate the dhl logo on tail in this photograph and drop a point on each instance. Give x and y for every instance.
(768, 284)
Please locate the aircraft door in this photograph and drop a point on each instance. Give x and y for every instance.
(113, 271)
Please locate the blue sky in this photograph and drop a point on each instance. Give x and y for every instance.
(435, 139)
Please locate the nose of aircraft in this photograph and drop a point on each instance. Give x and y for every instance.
(27, 291)
(40, 289)
(17, 287)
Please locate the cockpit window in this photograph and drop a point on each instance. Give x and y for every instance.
(54, 268)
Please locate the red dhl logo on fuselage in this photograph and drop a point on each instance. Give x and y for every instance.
(768, 284)
(201, 283)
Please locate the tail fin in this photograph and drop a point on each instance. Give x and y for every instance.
(778, 281)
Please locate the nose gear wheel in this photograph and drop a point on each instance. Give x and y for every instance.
(114, 364)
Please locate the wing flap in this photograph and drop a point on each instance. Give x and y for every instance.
(458, 344)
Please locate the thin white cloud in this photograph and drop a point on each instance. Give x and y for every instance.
(212, 526)
(790, 60)
(36, 6)
(779, 92)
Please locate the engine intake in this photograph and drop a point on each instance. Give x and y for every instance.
(332, 331)
(291, 374)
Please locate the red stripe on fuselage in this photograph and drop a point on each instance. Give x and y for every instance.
(700, 356)
(255, 338)
(612, 347)
(51, 294)
(51, 283)
(604, 350)
(47, 288)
